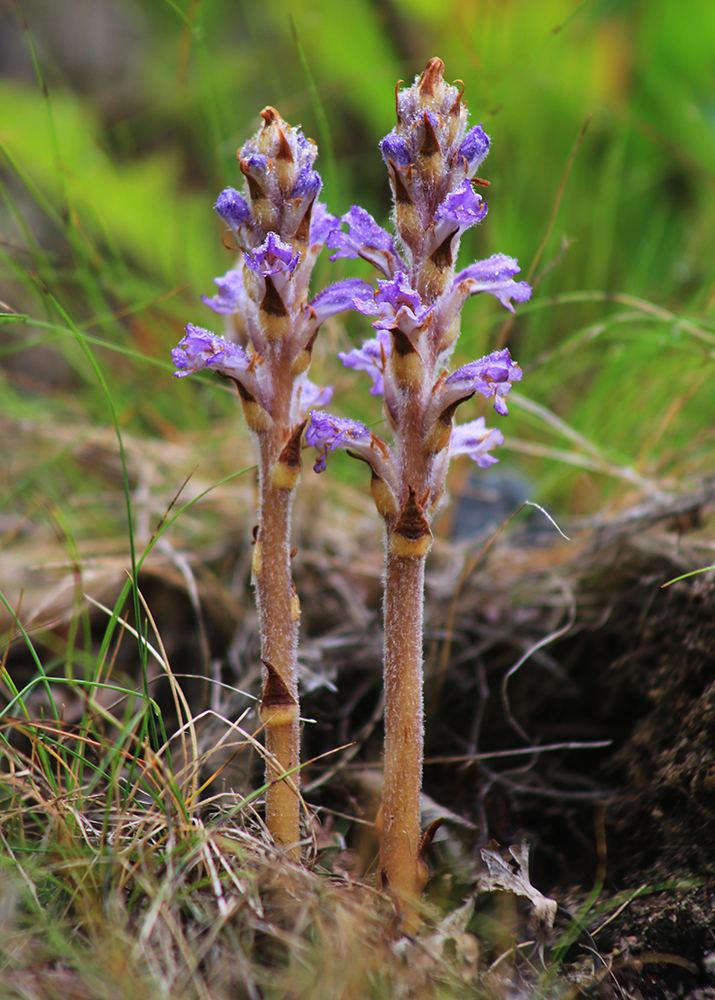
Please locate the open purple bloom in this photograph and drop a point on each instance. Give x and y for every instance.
(353, 293)
(493, 275)
(231, 293)
(491, 376)
(367, 240)
(273, 256)
(460, 210)
(326, 433)
(201, 348)
(370, 358)
(475, 440)
(400, 305)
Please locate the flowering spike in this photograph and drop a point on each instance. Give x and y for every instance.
(280, 228)
(432, 156)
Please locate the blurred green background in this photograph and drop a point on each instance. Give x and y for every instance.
(119, 124)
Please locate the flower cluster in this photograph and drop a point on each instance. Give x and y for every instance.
(280, 228)
(432, 157)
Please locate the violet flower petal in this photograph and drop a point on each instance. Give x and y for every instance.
(201, 348)
(369, 358)
(474, 149)
(463, 208)
(476, 440)
(399, 305)
(231, 293)
(353, 293)
(393, 147)
(232, 208)
(273, 256)
(492, 376)
(327, 432)
(321, 224)
(309, 395)
(494, 275)
(367, 240)
(308, 183)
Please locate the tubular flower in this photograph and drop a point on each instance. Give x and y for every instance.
(327, 433)
(202, 349)
(475, 440)
(491, 376)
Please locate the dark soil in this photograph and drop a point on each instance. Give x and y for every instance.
(636, 668)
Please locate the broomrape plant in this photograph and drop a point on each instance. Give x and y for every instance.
(280, 228)
(432, 157)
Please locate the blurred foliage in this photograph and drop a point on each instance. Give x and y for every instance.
(119, 126)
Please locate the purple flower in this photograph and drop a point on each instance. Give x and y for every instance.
(327, 433)
(232, 208)
(307, 395)
(308, 183)
(460, 210)
(231, 293)
(393, 147)
(493, 275)
(367, 240)
(400, 305)
(371, 358)
(321, 224)
(273, 256)
(353, 293)
(256, 166)
(475, 440)
(492, 376)
(474, 149)
(201, 348)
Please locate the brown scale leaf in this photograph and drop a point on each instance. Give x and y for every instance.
(412, 522)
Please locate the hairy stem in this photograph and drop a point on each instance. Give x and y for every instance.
(279, 614)
(400, 865)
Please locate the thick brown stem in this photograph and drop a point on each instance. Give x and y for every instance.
(279, 614)
(400, 864)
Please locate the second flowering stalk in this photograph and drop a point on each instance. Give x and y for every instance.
(432, 157)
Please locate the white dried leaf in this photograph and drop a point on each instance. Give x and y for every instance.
(502, 877)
